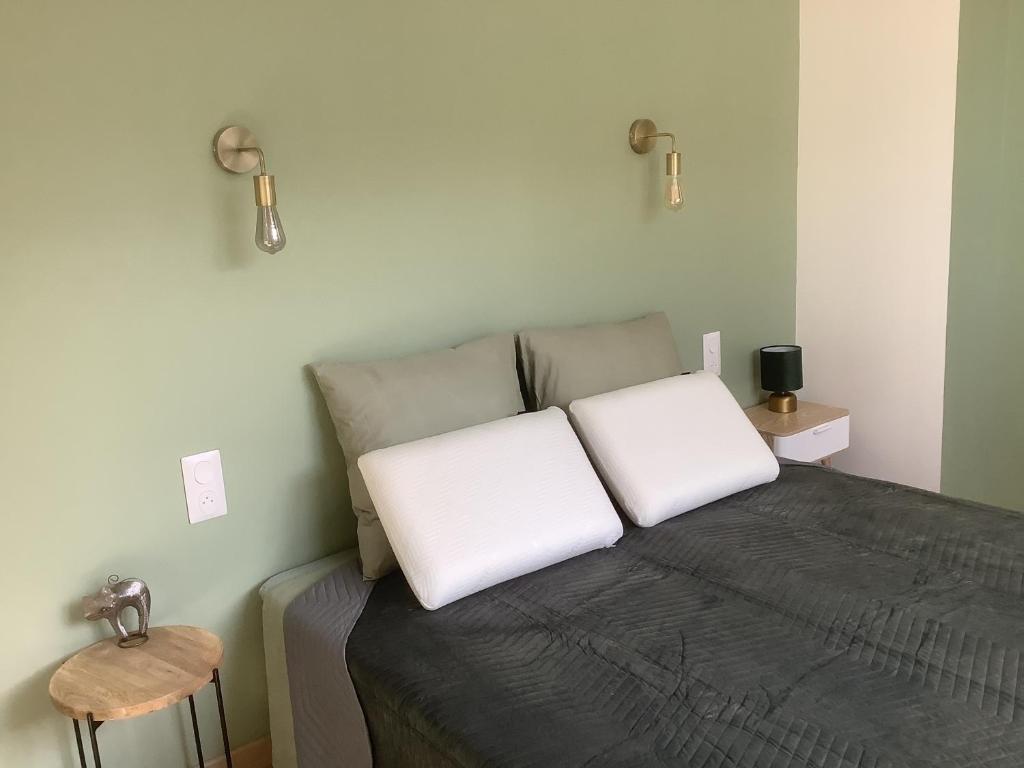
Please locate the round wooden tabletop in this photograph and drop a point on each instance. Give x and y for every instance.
(114, 683)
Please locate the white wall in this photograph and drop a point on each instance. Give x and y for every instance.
(877, 105)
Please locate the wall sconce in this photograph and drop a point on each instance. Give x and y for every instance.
(643, 135)
(236, 150)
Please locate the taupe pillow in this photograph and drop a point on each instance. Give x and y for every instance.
(564, 364)
(384, 403)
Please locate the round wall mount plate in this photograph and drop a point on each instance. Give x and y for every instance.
(234, 149)
(641, 136)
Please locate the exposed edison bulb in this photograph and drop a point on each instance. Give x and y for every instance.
(673, 194)
(673, 184)
(269, 232)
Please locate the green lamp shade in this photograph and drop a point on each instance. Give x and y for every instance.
(782, 368)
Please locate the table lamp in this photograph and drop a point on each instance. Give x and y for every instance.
(781, 373)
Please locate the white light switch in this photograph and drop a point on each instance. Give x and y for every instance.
(713, 352)
(204, 486)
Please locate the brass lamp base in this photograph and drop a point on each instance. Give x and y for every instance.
(782, 402)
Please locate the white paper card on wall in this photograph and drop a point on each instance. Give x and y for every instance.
(204, 486)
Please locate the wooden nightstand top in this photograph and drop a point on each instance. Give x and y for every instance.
(112, 683)
(807, 416)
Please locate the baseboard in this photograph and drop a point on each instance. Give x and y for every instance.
(255, 754)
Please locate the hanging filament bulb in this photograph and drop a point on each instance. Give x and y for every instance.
(673, 184)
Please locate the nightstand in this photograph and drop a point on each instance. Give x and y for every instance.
(103, 682)
(813, 432)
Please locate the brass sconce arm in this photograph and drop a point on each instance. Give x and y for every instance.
(263, 159)
(643, 134)
(661, 135)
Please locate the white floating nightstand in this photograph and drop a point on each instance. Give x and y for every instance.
(813, 432)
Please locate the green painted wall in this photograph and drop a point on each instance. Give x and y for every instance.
(444, 170)
(983, 441)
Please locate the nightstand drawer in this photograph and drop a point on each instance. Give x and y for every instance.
(816, 443)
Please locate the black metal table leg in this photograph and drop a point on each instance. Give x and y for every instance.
(223, 721)
(195, 729)
(93, 725)
(78, 741)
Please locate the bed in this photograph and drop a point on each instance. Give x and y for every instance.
(822, 620)
(748, 614)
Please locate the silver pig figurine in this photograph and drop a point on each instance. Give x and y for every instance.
(113, 598)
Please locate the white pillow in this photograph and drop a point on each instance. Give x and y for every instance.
(472, 508)
(674, 444)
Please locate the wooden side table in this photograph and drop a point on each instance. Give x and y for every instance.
(104, 682)
(813, 432)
